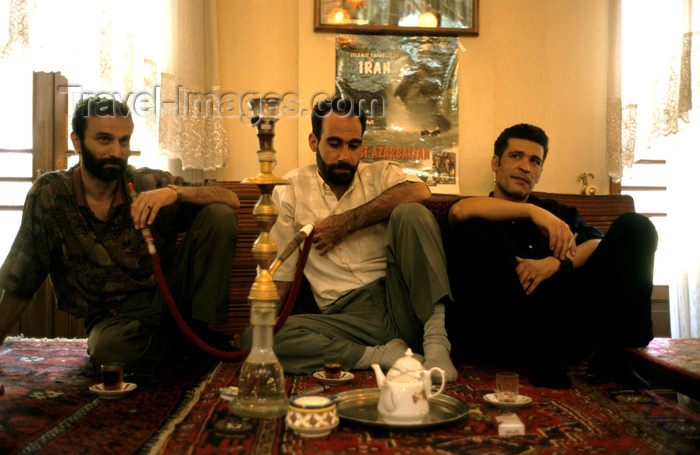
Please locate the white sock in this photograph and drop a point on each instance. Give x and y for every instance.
(384, 355)
(436, 346)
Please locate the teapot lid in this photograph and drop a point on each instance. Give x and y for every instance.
(405, 365)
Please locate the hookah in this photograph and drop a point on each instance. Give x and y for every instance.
(261, 385)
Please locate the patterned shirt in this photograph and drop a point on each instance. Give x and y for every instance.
(360, 258)
(93, 264)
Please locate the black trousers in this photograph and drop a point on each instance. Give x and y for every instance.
(606, 302)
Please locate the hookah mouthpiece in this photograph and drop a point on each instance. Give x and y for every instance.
(292, 246)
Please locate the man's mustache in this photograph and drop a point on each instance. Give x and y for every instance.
(113, 160)
(345, 166)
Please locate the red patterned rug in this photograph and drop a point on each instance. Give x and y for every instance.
(47, 408)
(590, 418)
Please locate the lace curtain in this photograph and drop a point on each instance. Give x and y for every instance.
(135, 50)
(658, 111)
(195, 132)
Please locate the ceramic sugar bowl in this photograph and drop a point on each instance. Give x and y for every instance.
(312, 416)
(405, 390)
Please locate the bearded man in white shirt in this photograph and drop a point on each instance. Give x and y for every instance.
(377, 268)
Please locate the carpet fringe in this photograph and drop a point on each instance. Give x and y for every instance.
(44, 340)
(39, 443)
(161, 438)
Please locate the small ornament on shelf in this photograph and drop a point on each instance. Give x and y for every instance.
(588, 188)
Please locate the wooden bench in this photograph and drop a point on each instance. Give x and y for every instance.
(598, 210)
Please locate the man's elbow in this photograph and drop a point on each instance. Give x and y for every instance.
(454, 216)
(421, 192)
(228, 197)
(235, 203)
(457, 213)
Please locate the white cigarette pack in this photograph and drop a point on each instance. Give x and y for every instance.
(509, 425)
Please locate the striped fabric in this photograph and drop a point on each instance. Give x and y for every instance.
(244, 271)
(599, 211)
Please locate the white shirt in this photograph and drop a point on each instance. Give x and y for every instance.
(360, 258)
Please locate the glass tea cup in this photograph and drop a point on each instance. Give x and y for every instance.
(112, 376)
(332, 364)
(507, 387)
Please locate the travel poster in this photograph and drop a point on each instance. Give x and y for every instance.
(408, 88)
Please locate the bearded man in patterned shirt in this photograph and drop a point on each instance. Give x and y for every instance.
(80, 229)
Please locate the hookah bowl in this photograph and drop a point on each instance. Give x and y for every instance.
(261, 383)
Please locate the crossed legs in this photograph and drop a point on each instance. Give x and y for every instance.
(375, 323)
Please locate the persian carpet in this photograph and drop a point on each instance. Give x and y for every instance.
(48, 408)
(590, 418)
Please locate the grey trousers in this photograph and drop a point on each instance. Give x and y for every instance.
(396, 306)
(141, 331)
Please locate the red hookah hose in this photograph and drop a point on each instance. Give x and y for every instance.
(170, 301)
(201, 344)
(185, 328)
(296, 283)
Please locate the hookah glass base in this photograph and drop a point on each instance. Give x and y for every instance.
(259, 392)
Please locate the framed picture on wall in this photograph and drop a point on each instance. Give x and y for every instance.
(398, 17)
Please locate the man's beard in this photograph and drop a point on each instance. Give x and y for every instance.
(329, 175)
(97, 167)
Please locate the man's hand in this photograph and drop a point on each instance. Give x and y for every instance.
(147, 204)
(329, 232)
(557, 231)
(11, 308)
(532, 272)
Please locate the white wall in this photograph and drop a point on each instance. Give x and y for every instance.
(537, 61)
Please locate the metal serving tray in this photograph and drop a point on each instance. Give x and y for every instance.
(360, 406)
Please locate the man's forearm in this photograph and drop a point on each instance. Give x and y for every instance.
(497, 210)
(11, 308)
(334, 229)
(202, 195)
(583, 252)
(488, 208)
(381, 207)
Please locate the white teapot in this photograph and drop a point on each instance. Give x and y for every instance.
(405, 390)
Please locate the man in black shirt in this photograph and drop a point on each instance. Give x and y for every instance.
(538, 284)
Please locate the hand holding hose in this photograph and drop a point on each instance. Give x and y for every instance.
(145, 206)
(145, 231)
